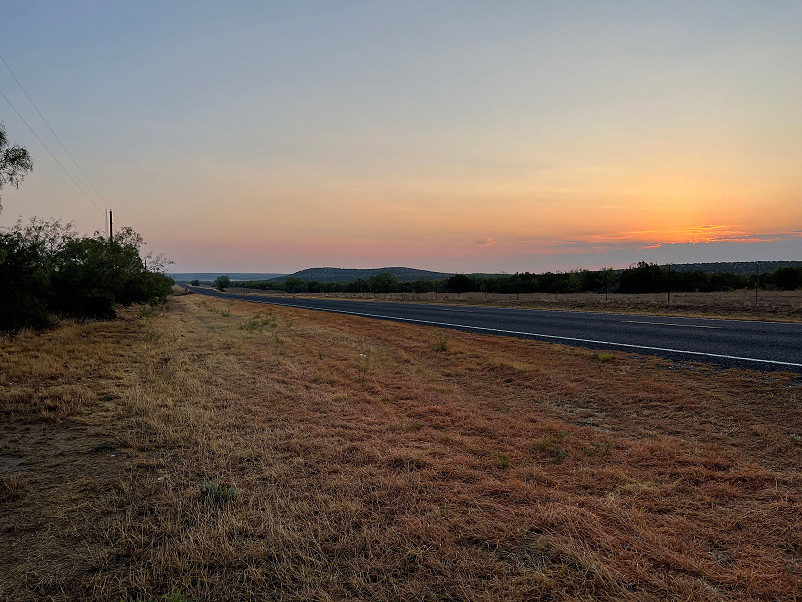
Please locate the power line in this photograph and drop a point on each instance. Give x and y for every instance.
(52, 132)
(50, 153)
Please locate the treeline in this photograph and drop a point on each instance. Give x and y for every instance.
(48, 272)
(639, 278)
(383, 282)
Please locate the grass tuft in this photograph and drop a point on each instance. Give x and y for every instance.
(12, 488)
(107, 445)
(554, 445)
(441, 343)
(215, 492)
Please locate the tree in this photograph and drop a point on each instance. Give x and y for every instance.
(294, 285)
(459, 283)
(383, 282)
(195, 282)
(641, 278)
(48, 272)
(221, 283)
(15, 162)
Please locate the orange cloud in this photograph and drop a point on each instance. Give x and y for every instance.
(485, 242)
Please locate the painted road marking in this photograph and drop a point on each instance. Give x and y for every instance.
(669, 324)
(535, 334)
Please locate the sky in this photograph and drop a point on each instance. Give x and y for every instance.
(455, 136)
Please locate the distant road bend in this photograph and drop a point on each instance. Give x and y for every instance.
(729, 343)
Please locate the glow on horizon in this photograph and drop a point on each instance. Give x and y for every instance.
(508, 137)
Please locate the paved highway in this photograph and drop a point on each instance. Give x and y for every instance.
(731, 343)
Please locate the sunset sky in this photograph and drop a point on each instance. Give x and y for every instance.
(444, 135)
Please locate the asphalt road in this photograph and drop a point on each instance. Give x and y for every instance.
(729, 343)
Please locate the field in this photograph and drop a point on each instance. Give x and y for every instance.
(770, 305)
(229, 451)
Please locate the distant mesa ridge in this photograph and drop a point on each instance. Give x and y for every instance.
(352, 274)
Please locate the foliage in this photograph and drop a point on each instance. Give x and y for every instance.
(195, 282)
(384, 282)
(214, 492)
(441, 344)
(785, 278)
(48, 272)
(295, 285)
(15, 162)
(459, 283)
(641, 277)
(221, 283)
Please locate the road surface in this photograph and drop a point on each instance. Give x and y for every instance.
(729, 343)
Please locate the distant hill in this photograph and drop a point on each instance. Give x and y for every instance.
(350, 275)
(210, 276)
(735, 267)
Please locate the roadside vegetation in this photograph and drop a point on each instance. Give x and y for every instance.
(226, 450)
(639, 278)
(50, 273)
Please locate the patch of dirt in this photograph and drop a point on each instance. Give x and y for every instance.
(43, 530)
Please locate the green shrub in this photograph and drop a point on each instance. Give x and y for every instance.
(47, 272)
(441, 344)
(212, 491)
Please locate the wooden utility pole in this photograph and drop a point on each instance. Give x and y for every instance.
(757, 279)
(111, 231)
(669, 283)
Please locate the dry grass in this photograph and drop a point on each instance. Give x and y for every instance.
(240, 452)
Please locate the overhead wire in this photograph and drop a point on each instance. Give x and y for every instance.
(47, 123)
(78, 186)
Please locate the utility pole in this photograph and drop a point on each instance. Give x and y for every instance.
(669, 284)
(757, 279)
(111, 229)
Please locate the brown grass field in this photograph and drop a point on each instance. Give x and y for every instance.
(229, 451)
(785, 306)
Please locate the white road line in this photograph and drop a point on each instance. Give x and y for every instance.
(535, 334)
(669, 324)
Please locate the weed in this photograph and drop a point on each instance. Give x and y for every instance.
(441, 344)
(503, 462)
(107, 445)
(280, 347)
(362, 366)
(554, 446)
(148, 311)
(795, 438)
(604, 357)
(214, 492)
(152, 335)
(257, 324)
(12, 489)
(225, 313)
(600, 449)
